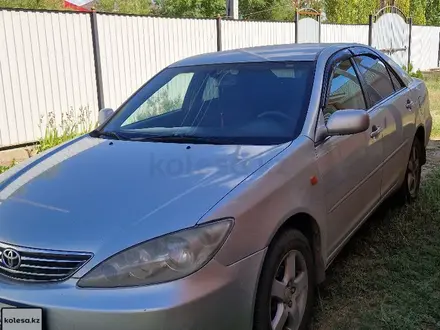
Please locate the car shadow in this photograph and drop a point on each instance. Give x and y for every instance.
(338, 274)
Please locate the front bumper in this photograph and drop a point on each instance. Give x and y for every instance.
(214, 298)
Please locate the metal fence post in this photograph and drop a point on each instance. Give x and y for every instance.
(219, 33)
(409, 42)
(97, 59)
(319, 28)
(296, 25)
(370, 30)
(438, 52)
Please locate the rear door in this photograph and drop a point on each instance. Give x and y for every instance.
(389, 99)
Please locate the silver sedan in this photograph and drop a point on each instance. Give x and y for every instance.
(217, 195)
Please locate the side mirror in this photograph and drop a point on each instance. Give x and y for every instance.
(103, 115)
(346, 122)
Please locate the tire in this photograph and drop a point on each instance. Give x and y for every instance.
(409, 190)
(279, 298)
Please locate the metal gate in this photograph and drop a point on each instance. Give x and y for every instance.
(308, 25)
(390, 32)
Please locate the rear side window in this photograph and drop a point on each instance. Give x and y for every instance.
(396, 82)
(402, 74)
(378, 82)
(345, 90)
(405, 77)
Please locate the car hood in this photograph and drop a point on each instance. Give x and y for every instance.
(95, 194)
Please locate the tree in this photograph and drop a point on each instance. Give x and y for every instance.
(403, 5)
(279, 10)
(140, 7)
(266, 9)
(365, 8)
(432, 12)
(336, 11)
(350, 11)
(357, 11)
(417, 11)
(32, 4)
(191, 8)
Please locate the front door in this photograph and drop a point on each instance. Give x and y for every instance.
(350, 166)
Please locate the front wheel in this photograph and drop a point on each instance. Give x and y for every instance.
(286, 288)
(409, 190)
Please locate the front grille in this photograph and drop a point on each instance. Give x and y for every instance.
(42, 265)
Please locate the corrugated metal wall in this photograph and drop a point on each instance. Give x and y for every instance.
(46, 65)
(425, 47)
(133, 49)
(308, 30)
(344, 33)
(239, 34)
(47, 62)
(392, 31)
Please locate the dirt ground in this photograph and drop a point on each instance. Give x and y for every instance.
(7, 157)
(432, 157)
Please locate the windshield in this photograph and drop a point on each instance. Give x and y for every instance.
(240, 103)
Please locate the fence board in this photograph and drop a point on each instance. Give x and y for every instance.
(308, 30)
(133, 49)
(240, 34)
(424, 47)
(46, 64)
(344, 33)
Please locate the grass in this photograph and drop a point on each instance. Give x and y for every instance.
(4, 168)
(433, 83)
(58, 130)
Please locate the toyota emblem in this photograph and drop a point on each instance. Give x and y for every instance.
(11, 259)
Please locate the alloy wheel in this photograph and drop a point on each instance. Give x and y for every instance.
(289, 292)
(414, 172)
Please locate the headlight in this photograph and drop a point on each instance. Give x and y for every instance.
(163, 259)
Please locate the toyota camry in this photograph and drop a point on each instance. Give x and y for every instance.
(217, 195)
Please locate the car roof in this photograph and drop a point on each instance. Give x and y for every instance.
(278, 53)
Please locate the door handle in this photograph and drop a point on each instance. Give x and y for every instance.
(375, 131)
(409, 104)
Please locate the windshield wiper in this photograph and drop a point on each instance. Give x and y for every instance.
(109, 134)
(182, 139)
(178, 138)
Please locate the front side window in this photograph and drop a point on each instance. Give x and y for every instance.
(240, 103)
(345, 90)
(378, 82)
